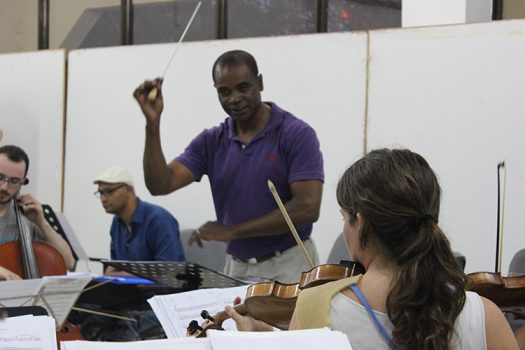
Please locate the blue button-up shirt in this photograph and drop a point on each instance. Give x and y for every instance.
(154, 236)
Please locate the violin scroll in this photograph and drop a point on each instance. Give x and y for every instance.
(199, 331)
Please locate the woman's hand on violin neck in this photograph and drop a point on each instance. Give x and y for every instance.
(247, 323)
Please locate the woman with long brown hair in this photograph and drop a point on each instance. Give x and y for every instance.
(412, 295)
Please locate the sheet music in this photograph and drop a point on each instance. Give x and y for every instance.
(18, 293)
(57, 294)
(176, 311)
(28, 333)
(308, 339)
(162, 344)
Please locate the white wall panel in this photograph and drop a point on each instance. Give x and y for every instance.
(456, 95)
(319, 78)
(32, 96)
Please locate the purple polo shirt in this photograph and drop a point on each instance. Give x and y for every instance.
(285, 151)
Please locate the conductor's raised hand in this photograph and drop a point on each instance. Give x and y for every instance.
(149, 97)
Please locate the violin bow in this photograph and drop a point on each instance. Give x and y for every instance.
(289, 222)
(152, 95)
(501, 215)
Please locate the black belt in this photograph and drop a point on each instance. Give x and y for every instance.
(261, 258)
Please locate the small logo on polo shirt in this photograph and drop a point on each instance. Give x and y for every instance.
(272, 158)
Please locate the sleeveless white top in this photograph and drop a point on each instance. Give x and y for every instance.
(351, 317)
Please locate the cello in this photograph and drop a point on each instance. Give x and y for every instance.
(32, 259)
(508, 293)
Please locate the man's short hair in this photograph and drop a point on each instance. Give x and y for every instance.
(234, 57)
(15, 154)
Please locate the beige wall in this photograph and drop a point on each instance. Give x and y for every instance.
(513, 9)
(18, 25)
(63, 14)
(19, 21)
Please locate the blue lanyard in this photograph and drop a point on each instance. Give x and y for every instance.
(378, 324)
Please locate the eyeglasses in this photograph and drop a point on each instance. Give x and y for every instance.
(107, 192)
(11, 181)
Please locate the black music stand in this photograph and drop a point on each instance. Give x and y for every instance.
(13, 311)
(52, 219)
(184, 276)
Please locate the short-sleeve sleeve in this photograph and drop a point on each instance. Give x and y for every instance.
(305, 160)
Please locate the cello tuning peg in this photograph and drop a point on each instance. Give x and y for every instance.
(206, 315)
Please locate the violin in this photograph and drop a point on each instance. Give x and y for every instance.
(274, 302)
(508, 293)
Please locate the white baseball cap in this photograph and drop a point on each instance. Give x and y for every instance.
(114, 175)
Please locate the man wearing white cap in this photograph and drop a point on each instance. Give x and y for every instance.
(140, 231)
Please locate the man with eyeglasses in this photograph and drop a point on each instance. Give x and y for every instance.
(140, 231)
(14, 164)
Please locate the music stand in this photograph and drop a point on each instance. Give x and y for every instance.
(57, 294)
(51, 218)
(184, 276)
(14, 311)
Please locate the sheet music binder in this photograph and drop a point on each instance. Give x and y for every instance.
(185, 276)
